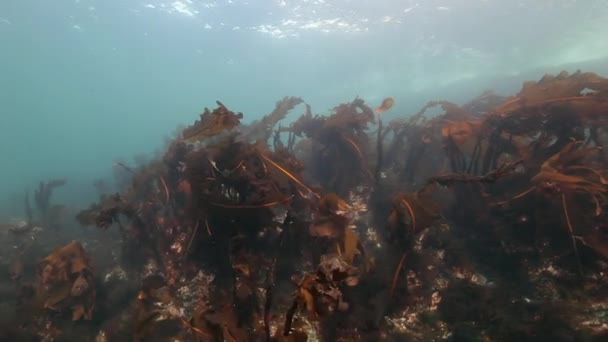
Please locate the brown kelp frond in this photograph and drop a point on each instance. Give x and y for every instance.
(330, 219)
(262, 130)
(353, 116)
(565, 174)
(105, 213)
(320, 293)
(289, 175)
(484, 103)
(563, 87)
(410, 215)
(212, 123)
(342, 137)
(571, 231)
(239, 175)
(396, 274)
(307, 124)
(490, 177)
(451, 110)
(65, 282)
(559, 171)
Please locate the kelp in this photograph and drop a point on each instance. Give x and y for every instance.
(456, 132)
(261, 130)
(155, 314)
(105, 213)
(544, 146)
(320, 293)
(563, 175)
(65, 282)
(279, 221)
(563, 88)
(339, 140)
(48, 214)
(241, 179)
(330, 218)
(491, 177)
(212, 123)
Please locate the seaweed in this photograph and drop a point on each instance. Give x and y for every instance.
(212, 123)
(339, 146)
(65, 281)
(261, 130)
(324, 228)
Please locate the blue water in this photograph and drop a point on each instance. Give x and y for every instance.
(86, 83)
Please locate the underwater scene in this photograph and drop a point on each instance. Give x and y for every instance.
(303, 170)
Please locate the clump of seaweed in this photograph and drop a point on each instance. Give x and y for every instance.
(321, 293)
(65, 282)
(548, 138)
(262, 130)
(338, 152)
(212, 123)
(429, 226)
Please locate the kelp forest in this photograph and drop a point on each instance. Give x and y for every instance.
(482, 221)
